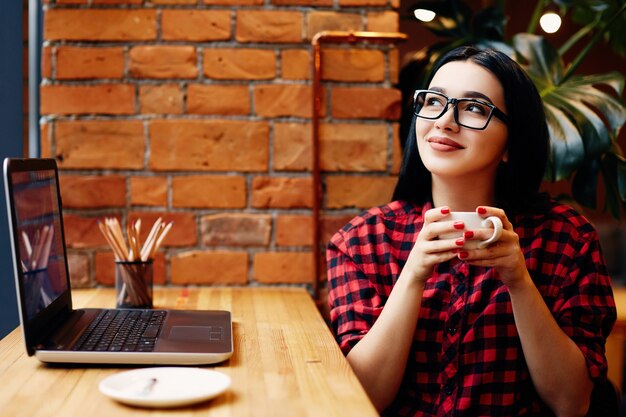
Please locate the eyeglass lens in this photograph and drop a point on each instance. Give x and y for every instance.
(469, 113)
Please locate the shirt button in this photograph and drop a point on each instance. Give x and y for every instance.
(451, 330)
(448, 388)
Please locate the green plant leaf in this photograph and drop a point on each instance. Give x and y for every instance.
(566, 143)
(586, 12)
(582, 119)
(541, 59)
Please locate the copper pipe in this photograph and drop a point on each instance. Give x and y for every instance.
(317, 41)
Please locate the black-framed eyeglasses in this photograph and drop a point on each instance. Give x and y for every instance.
(468, 112)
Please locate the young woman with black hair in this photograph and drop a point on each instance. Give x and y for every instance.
(433, 327)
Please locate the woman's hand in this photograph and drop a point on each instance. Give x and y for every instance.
(505, 255)
(428, 250)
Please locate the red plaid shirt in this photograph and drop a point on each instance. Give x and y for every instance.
(466, 358)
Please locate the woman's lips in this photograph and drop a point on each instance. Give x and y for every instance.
(443, 144)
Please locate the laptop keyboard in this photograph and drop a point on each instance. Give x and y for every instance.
(122, 331)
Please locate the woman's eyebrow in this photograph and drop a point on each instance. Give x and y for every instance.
(466, 94)
(476, 94)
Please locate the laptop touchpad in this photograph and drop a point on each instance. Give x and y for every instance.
(189, 333)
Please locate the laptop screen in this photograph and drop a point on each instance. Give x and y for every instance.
(40, 243)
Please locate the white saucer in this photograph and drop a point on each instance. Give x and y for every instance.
(164, 386)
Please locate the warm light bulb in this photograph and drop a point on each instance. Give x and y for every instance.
(424, 15)
(550, 22)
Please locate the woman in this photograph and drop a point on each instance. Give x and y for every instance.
(433, 328)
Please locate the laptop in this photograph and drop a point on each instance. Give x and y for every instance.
(53, 330)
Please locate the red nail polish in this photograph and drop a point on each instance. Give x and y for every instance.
(459, 225)
(445, 210)
(468, 234)
(459, 242)
(463, 255)
(482, 210)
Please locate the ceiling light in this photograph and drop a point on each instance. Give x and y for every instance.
(550, 22)
(424, 15)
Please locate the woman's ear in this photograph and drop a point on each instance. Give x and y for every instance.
(505, 156)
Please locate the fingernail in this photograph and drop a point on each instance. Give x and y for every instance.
(482, 210)
(463, 255)
(468, 234)
(445, 210)
(459, 225)
(459, 242)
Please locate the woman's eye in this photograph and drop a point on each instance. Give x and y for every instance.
(474, 107)
(434, 101)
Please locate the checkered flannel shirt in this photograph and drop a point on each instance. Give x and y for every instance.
(466, 358)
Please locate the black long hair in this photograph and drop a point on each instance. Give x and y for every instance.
(519, 179)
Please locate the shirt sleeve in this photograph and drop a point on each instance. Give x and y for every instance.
(354, 302)
(585, 307)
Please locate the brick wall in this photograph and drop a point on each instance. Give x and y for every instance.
(199, 111)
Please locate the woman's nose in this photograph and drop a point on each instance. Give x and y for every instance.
(447, 120)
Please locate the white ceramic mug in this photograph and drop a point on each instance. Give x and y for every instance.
(472, 222)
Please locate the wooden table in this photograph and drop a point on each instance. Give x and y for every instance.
(286, 363)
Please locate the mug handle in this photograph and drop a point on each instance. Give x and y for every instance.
(497, 231)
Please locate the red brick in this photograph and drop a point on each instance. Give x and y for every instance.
(283, 267)
(209, 145)
(295, 64)
(160, 99)
(353, 65)
(394, 66)
(203, 267)
(357, 3)
(117, 1)
(292, 146)
(163, 62)
(105, 269)
(99, 144)
(324, 3)
(100, 24)
(268, 26)
(195, 25)
(88, 191)
(218, 99)
(320, 21)
(175, 2)
(235, 2)
(359, 192)
(331, 224)
(281, 192)
(81, 62)
(387, 21)
(282, 100)
(46, 62)
(294, 230)
(82, 231)
(352, 147)
(209, 191)
(148, 191)
(235, 229)
(364, 103)
(239, 64)
(88, 99)
(183, 231)
(45, 144)
(343, 147)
